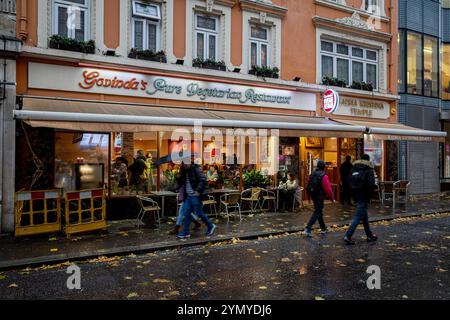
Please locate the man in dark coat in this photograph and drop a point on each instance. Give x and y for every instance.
(362, 183)
(345, 169)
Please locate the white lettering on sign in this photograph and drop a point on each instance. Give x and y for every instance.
(141, 85)
(363, 108)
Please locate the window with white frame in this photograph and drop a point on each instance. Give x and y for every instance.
(71, 18)
(259, 46)
(206, 37)
(349, 63)
(146, 26)
(373, 6)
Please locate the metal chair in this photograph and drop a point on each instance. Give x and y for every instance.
(298, 198)
(268, 196)
(387, 189)
(231, 200)
(400, 188)
(211, 202)
(252, 196)
(153, 207)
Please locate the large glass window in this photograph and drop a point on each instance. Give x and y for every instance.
(81, 160)
(431, 67)
(71, 18)
(349, 63)
(414, 63)
(206, 37)
(401, 61)
(259, 46)
(446, 71)
(146, 26)
(446, 151)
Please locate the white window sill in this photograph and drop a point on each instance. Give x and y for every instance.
(348, 9)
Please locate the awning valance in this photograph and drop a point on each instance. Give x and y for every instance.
(397, 131)
(111, 117)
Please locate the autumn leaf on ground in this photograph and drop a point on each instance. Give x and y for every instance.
(13, 285)
(128, 278)
(285, 260)
(302, 270)
(262, 288)
(2, 277)
(53, 250)
(441, 270)
(174, 293)
(161, 281)
(52, 239)
(404, 296)
(132, 295)
(318, 298)
(360, 260)
(202, 284)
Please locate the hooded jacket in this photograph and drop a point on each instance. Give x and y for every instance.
(365, 193)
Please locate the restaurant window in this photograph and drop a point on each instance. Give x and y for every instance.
(206, 37)
(446, 71)
(431, 67)
(349, 63)
(146, 26)
(81, 160)
(374, 148)
(414, 71)
(71, 18)
(259, 46)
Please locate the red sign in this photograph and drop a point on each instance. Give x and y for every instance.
(330, 101)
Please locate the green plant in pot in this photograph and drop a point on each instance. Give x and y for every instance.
(254, 178)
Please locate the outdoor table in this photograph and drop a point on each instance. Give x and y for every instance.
(224, 190)
(163, 195)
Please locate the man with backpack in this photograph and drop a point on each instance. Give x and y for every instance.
(362, 184)
(318, 187)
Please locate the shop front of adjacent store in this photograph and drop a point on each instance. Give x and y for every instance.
(81, 127)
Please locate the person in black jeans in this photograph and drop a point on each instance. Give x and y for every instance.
(362, 182)
(346, 167)
(321, 183)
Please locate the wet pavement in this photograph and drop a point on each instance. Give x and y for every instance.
(412, 254)
(122, 237)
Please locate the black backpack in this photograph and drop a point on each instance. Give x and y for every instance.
(314, 187)
(357, 178)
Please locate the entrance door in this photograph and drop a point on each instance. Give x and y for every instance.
(423, 167)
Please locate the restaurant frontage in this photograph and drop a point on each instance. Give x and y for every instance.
(80, 127)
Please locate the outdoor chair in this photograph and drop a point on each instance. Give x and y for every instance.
(400, 189)
(252, 197)
(147, 205)
(298, 198)
(211, 202)
(231, 200)
(268, 196)
(387, 189)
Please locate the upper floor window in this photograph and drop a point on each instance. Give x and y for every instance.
(418, 64)
(146, 24)
(71, 18)
(259, 46)
(349, 63)
(206, 37)
(446, 71)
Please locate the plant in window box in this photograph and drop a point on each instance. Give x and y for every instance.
(209, 64)
(362, 86)
(265, 72)
(66, 43)
(332, 81)
(149, 55)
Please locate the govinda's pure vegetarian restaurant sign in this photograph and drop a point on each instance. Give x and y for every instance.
(56, 77)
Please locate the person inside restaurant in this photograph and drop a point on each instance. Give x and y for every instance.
(288, 190)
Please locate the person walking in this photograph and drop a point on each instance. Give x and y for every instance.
(180, 215)
(192, 182)
(346, 167)
(362, 184)
(318, 187)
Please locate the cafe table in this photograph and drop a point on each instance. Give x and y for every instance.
(163, 195)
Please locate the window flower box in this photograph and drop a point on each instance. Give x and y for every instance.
(209, 64)
(265, 72)
(65, 43)
(148, 55)
(335, 82)
(362, 86)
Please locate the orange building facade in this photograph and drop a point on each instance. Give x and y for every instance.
(137, 70)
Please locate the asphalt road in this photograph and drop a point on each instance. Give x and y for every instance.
(412, 254)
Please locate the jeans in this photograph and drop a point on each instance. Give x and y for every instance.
(361, 215)
(317, 215)
(193, 204)
(181, 216)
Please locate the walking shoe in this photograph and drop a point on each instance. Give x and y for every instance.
(183, 236)
(197, 225)
(324, 231)
(372, 238)
(349, 240)
(307, 232)
(211, 231)
(176, 230)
